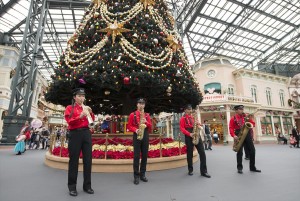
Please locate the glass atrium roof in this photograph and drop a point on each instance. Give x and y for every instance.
(249, 32)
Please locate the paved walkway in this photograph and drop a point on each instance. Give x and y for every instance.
(26, 178)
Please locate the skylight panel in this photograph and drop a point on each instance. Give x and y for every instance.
(296, 18)
(211, 11)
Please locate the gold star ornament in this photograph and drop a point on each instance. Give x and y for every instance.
(147, 3)
(173, 42)
(114, 30)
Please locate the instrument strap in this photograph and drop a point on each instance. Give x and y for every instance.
(135, 119)
(187, 121)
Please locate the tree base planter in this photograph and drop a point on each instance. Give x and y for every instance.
(121, 165)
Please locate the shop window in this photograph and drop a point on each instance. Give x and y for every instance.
(287, 125)
(277, 125)
(212, 88)
(266, 125)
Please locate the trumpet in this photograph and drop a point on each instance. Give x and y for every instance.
(88, 116)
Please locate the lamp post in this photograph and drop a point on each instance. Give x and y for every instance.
(222, 108)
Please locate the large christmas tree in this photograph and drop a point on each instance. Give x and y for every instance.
(124, 49)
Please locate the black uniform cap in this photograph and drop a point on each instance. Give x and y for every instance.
(188, 107)
(78, 91)
(237, 107)
(141, 100)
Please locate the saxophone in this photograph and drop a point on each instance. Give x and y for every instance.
(142, 126)
(89, 117)
(242, 135)
(196, 130)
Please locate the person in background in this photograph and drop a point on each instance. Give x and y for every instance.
(25, 130)
(20, 146)
(293, 141)
(215, 136)
(208, 140)
(295, 134)
(280, 136)
(44, 137)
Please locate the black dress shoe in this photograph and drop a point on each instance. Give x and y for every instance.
(136, 181)
(144, 179)
(205, 175)
(73, 193)
(210, 149)
(240, 171)
(246, 158)
(89, 191)
(255, 170)
(190, 173)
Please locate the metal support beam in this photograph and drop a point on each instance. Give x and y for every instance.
(23, 84)
(221, 55)
(229, 42)
(7, 6)
(194, 15)
(262, 12)
(237, 27)
(68, 4)
(287, 41)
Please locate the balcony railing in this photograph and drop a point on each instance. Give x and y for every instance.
(208, 98)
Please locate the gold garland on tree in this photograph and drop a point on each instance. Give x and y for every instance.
(75, 60)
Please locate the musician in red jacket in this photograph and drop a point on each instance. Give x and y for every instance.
(235, 125)
(140, 145)
(186, 127)
(80, 139)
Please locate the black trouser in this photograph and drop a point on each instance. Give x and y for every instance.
(248, 143)
(80, 140)
(246, 152)
(140, 146)
(189, 153)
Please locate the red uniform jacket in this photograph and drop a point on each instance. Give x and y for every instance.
(238, 123)
(75, 121)
(186, 121)
(134, 125)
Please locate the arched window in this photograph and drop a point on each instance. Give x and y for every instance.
(254, 93)
(269, 96)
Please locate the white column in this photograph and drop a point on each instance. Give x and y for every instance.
(272, 124)
(168, 127)
(228, 136)
(257, 130)
(281, 125)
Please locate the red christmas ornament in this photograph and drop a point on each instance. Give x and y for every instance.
(180, 64)
(126, 80)
(161, 33)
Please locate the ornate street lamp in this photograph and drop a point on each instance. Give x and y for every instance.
(222, 109)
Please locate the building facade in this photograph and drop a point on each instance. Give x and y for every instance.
(8, 62)
(264, 95)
